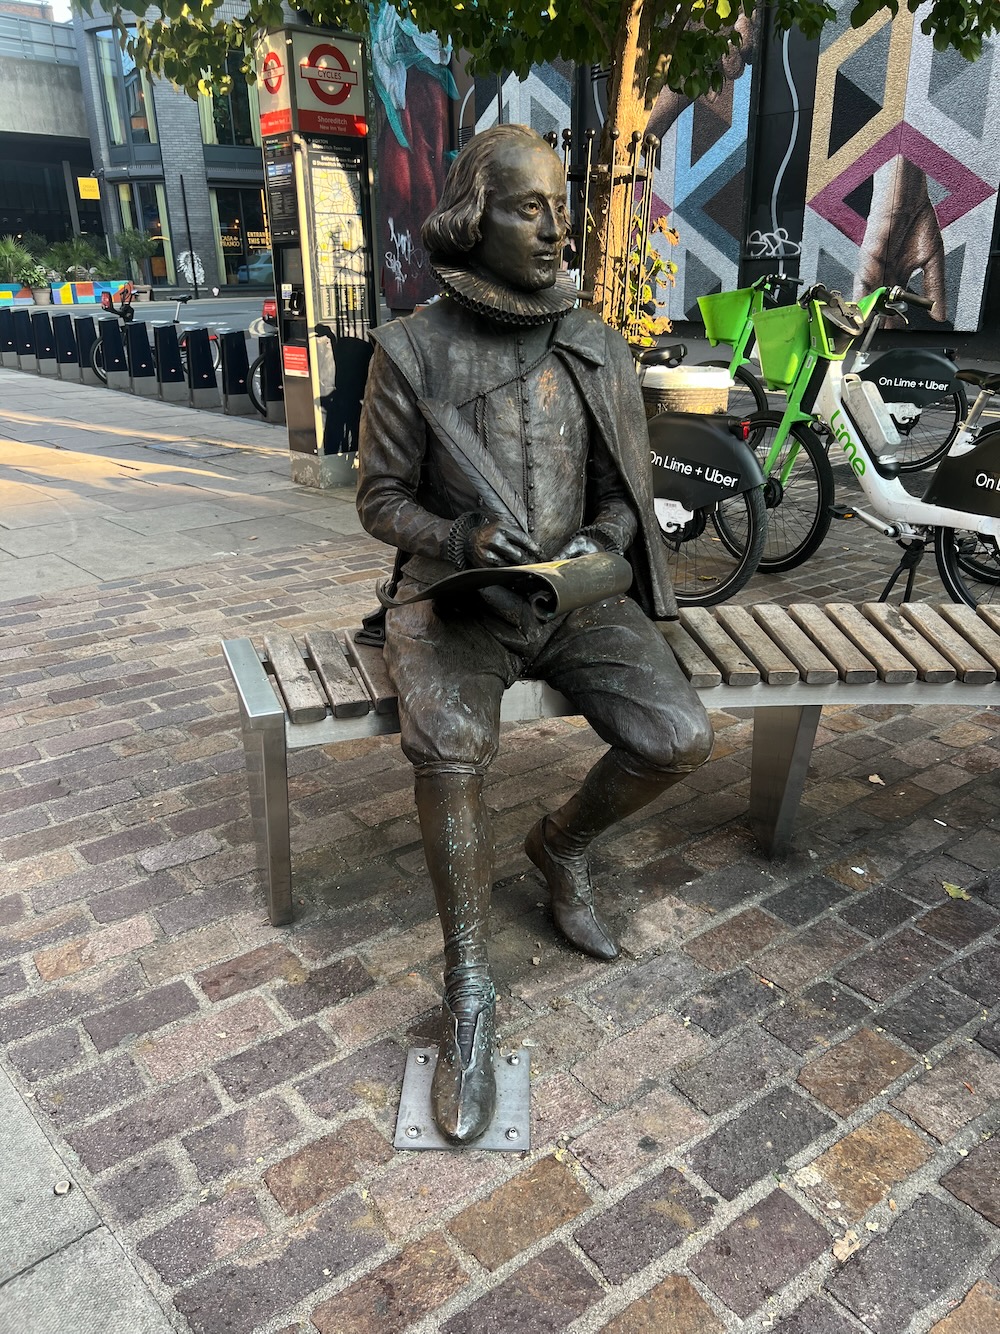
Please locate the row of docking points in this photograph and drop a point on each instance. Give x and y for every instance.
(178, 367)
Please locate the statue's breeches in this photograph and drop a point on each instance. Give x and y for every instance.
(450, 670)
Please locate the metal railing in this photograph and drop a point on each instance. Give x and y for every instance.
(37, 39)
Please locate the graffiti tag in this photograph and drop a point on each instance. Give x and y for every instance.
(773, 245)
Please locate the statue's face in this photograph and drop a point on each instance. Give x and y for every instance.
(526, 220)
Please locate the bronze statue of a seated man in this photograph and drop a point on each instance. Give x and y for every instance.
(552, 395)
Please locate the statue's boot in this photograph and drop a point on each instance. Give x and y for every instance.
(458, 847)
(616, 787)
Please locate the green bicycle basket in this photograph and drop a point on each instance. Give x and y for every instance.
(725, 314)
(782, 343)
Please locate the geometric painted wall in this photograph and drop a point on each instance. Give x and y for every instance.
(702, 180)
(904, 166)
(701, 185)
(872, 159)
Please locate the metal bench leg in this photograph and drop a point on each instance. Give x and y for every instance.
(267, 772)
(262, 719)
(782, 744)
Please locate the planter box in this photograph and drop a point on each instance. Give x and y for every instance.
(84, 294)
(13, 294)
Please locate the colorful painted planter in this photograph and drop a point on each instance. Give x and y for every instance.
(84, 294)
(13, 294)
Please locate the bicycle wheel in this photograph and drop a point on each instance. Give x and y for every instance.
(255, 385)
(97, 361)
(216, 346)
(798, 493)
(928, 436)
(704, 569)
(969, 566)
(747, 395)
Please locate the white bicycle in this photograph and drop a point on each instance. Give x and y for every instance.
(802, 350)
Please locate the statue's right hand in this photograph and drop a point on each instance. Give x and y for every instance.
(499, 544)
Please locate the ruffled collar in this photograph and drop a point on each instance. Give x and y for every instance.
(486, 296)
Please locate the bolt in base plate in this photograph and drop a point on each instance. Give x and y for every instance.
(508, 1132)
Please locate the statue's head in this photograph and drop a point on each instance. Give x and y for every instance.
(503, 209)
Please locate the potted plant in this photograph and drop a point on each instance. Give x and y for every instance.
(13, 259)
(74, 259)
(136, 247)
(36, 276)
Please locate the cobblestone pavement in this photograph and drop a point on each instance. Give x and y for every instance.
(773, 1112)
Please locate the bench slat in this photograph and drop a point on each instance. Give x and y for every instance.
(304, 702)
(852, 665)
(348, 697)
(972, 667)
(699, 669)
(991, 616)
(972, 628)
(930, 665)
(774, 667)
(890, 663)
(736, 667)
(370, 665)
(814, 667)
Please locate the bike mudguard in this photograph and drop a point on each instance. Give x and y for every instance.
(969, 482)
(918, 375)
(698, 461)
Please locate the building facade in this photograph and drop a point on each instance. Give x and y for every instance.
(187, 172)
(44, 141)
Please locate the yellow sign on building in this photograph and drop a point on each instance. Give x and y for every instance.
(89, 187)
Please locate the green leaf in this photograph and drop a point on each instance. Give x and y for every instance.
(955, 891)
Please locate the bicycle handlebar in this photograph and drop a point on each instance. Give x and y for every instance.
(776, 279)
(911, 298)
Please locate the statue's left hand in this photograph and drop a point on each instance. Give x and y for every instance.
(580, 544)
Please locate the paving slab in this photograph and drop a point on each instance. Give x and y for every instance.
(89, 1287)
(41, 1209)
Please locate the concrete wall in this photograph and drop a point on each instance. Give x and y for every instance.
(41, 98)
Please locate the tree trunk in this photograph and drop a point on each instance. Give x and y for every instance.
(611, 238)
(608, 244)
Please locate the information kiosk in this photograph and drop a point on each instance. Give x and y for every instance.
(313, 90)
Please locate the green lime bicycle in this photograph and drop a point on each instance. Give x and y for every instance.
(728, 318)
(920, 387)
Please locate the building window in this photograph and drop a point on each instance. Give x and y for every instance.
(108, 64)
(126, 93)
(138, 102)
(144, 208)
(244, 237)
(231, 119)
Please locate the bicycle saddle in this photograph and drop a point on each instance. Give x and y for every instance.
(183, 300)
(660, 354)
(981, 379)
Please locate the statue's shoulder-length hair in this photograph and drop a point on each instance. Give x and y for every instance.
(454, 227)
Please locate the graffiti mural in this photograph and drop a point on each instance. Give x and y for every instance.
(904, 166)
(701, 181)
(415, 85)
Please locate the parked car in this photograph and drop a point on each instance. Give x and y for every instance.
(258, 270)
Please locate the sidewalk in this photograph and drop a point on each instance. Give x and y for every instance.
(772, 1113)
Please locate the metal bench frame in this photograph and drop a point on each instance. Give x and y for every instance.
(786, 716)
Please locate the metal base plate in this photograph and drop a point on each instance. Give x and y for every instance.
(508, 1132)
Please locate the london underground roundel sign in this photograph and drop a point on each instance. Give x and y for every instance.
(329, 74)
(272, 72)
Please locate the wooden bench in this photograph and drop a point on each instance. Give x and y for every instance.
(785, 664)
